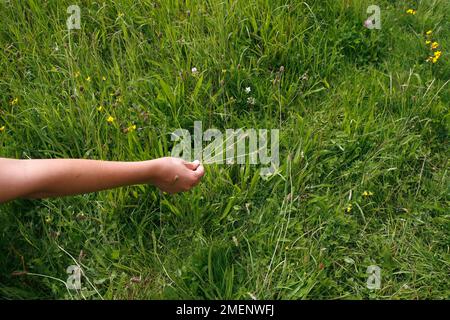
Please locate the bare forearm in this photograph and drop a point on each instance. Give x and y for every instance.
(60, 177)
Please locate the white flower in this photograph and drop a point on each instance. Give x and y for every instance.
(194, 70)
(247, 90)
(251, 100)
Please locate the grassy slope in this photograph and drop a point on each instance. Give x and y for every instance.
(358, 110)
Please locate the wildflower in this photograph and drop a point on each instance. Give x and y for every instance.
(349, 208)
(88, 79)
(131, 128)
(224, 70)
(427, 42)
(2, 128)
(411, 11)
(247, 90)
(110, 119)
(14, 101)
(434, 45)
(100, 108)
(437, 55)
(194, 70)
(104, 78)
(429, 32)
(367, 193)
(251, 100)
(252, 296)
(235, 240)
(120, 15)
(77, 74)
(54, 69)
(48, 219)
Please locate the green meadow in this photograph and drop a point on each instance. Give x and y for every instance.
(363, 119)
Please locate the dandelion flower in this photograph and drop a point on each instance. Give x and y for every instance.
(427, 42)
(110, 119)
(100, 108)
(429, 32)
(248, 90)
(411, 11)
(434, 45)
(2, 128)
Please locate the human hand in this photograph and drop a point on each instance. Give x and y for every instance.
(174, 175)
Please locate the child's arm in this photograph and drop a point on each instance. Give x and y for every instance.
(62, 177)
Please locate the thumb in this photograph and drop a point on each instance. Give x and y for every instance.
(192, 165)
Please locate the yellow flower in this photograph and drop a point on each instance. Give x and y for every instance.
(429, 32)
(224, 70)
(411, 11)
(427, 42)
(100, 108)
(349, 208)
(367, 193)
(434, 45)
(2, 128)
(110, 119)
(435, 57)
(104, 78)
(77, 74)
(88, 79)
(131, 128)
(14, 101)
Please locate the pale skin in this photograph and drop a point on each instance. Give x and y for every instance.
(36, 179)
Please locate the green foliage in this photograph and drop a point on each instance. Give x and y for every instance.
(363, 122)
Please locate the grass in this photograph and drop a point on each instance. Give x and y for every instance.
(358, 111)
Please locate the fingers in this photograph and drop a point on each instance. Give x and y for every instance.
(200, 171)
(192, 165)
